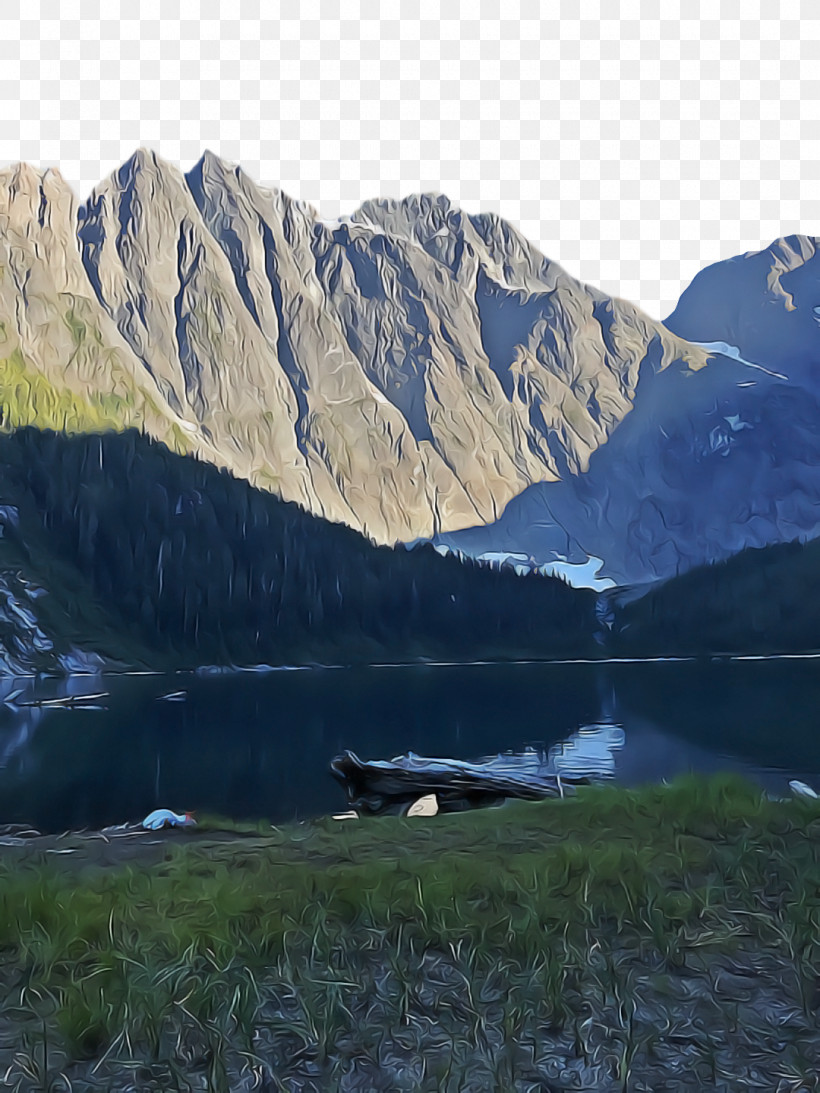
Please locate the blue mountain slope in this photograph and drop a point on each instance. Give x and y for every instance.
(766, 303)
(706, 463)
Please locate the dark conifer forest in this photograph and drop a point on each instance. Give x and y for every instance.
(165, 561)
(759, 601)
(186, 565)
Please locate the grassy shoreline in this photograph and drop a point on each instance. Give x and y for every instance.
(651, 939)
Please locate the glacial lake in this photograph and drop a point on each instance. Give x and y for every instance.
(251, 745)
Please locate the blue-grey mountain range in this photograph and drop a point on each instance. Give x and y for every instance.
(415, 371)
(706, 463)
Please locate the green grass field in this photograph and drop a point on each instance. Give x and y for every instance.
(620, 940)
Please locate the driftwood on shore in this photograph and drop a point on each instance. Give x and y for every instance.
(69, 701)
(389, 785)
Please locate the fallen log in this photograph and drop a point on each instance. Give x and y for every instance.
(389, 785)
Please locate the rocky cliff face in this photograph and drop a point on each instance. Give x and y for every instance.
(408, 370)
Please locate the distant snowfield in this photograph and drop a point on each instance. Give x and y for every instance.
(732, 351)
(579, 574)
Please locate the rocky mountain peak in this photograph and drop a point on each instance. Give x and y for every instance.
(408, 369)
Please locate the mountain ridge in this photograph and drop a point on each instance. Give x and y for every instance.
(415, 371)
(407, 370)
(762, 302)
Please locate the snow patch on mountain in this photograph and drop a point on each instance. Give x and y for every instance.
(732, 351)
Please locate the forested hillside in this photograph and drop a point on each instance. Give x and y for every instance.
(157, 558)
(758, 601)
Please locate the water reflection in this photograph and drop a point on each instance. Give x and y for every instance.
(589, 752)
(259, 745)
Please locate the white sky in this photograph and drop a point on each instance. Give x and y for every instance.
(634, 141)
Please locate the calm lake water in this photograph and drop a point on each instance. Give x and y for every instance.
(252, 745)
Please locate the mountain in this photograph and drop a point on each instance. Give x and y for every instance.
(407, 370)
(703, 467)
(417, 372)
(116, 550)
(709, 463)
(763, 306)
